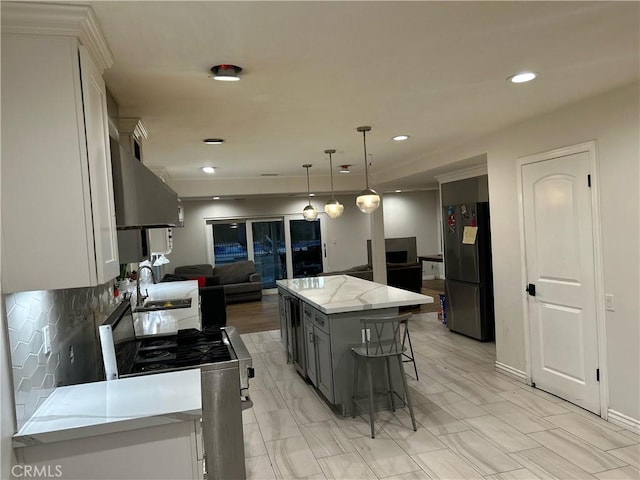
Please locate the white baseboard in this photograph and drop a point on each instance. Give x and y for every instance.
(622, 420)
(511, 372)
(428, 277)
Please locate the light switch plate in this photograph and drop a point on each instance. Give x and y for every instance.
(608, 303)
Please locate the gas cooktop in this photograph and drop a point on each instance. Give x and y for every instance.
(187, 348)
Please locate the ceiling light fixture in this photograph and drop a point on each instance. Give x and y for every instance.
(226, 72)
(213, 141)
(216, 198)
(522, 77)
(398, 191)
(333, 207)
(400, 138)
(309, 213)
(345, 169)
(368, 200)
(208, 169)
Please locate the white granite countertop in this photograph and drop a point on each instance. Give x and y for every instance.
(168, 321)
(98, 408)
(343, 293)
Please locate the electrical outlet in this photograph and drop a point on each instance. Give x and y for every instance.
(46, 333)
(608, 303)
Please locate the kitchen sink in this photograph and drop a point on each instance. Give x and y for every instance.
(166, 304)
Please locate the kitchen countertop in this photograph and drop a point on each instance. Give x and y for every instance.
(343, 293)
(99, 408)
(168, 321)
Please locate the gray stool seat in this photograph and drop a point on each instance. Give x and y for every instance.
(385, 340)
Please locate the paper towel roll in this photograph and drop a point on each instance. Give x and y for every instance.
(108, 352)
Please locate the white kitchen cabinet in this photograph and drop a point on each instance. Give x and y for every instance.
(172, 451)
(58, 215)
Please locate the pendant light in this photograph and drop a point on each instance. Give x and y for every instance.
(333, 207)
(368, 200)
(309, 213)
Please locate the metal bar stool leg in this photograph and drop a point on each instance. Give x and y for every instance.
(406, 394)
(389, 384)
(371, 410)
(409, 357)
(355, 386)
(413, 358)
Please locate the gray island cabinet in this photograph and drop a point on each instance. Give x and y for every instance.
(320, 322)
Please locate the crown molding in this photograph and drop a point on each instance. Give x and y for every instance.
(132, 126)
(58, 20)
(462, 174)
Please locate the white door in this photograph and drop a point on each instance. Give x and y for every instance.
(559, 249)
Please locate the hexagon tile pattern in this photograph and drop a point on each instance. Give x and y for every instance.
(73, 316)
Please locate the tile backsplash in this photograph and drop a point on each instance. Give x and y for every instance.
(72, 316)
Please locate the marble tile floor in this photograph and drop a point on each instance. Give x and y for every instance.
(474, 423)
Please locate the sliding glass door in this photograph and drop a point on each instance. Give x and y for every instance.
(230, 242)
(281, 247)
(269, 250)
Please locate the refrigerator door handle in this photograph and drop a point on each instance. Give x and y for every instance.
(531, 289)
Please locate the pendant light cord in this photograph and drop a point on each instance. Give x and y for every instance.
(331, 172)
(366, 165)
(308, 186)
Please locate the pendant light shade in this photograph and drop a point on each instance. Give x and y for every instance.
(333, 207)
(368, 200)
(309, 213)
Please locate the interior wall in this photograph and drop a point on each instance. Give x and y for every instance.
(413, 214)
(346, 236)
(612, 120)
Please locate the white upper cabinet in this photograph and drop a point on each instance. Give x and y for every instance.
(58, 215)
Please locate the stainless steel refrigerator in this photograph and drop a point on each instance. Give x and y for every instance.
(467, 263)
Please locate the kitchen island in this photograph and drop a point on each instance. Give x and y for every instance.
(320, 322)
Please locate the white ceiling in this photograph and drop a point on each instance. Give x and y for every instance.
(314, 71)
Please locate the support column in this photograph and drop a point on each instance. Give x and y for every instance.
(378, 249)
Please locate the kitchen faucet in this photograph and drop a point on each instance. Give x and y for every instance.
(139, 297)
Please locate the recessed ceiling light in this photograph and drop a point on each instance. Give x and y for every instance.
(216, 198)
(226, 72)
(522, 77)
(312, 194)
(398, 191)
(400, 138)
(213, 141)
(208, 169)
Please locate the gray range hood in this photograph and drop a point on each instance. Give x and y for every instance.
(142, 200)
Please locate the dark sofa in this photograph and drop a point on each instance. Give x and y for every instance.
(407, 276)
(240, 280)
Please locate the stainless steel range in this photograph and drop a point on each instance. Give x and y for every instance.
(225, 366)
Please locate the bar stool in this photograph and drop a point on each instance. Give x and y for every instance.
(408, 356)
(382, 341)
